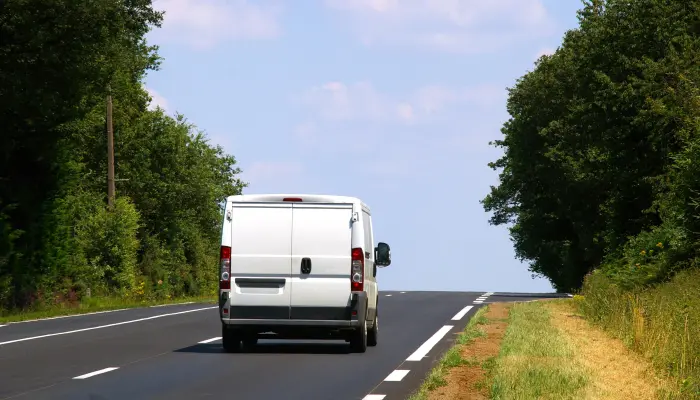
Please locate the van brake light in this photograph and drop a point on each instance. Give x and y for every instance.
(357, 270)
(225, 261)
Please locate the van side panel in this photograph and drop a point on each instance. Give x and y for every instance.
(370, 279)
(226, 228)
(261, 251)
(323, 234)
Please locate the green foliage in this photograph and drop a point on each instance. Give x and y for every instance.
(109, 240)
(58, 61)
(602, 146)
(599, 180)
(660, 322)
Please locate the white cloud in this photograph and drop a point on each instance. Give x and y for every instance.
(205, 23)
(305, 130)
(272, 170)
(463, 26)
(338, 101)
(274, 176)
(342, 118)
(547, 51)
(157, 100)
(360, 101)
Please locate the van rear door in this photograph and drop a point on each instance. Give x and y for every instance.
(321, 240)
(261, 251)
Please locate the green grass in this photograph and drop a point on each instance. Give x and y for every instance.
(93, 304)
(535, 359)
(453, 357)
(661, 323)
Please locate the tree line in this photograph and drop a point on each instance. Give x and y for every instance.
(59, 59)
(601, 164)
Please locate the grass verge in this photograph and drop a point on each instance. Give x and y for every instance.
(540, 350)
(94, 304)
(536, 361)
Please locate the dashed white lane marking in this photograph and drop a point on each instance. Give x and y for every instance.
(403, 292)
(374, 397)
(462, 313)
(91, 374)
(397, 375)
(482, 298)
(106, 326)
(214, 339)
(388, 295)
(425, 348)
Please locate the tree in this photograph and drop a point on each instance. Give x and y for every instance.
(591, 137)
(57, 60)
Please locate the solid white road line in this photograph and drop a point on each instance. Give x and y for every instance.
(374, 397)
(106, 326)
(397, 375)
(462, 313)
(66, 316)
(214, 339)
(425, 348)
(91, 374)
(172, 304)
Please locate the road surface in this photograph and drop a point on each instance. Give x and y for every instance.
(174, 352)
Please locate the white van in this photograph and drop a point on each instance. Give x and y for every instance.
(299, 267)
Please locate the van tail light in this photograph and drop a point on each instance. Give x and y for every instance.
(357, 270)
(225, 273)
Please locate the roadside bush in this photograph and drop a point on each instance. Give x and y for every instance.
(651, 257)
(661, 322)
(89, 247)
(109, 241)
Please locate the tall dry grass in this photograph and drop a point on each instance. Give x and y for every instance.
(662, 323)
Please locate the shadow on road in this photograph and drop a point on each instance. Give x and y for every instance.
(272, 348)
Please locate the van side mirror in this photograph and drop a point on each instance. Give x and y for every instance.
(382, 254)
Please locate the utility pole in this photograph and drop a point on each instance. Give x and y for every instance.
(110, 152)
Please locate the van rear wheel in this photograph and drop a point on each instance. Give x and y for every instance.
(358, 340)
(230, 340)
(374, 332)
(250, 341)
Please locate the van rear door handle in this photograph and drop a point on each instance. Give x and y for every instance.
(306, 265)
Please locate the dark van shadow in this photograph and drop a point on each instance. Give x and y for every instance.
(272, 348)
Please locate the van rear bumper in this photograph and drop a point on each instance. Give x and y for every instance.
(301, 317)
(291, 323)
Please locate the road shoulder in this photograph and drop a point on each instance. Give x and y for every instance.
(539, 349)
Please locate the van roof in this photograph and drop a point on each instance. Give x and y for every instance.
(307, 198)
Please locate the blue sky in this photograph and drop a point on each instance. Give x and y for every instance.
(392, 101)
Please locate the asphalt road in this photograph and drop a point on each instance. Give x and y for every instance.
(174, 352)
